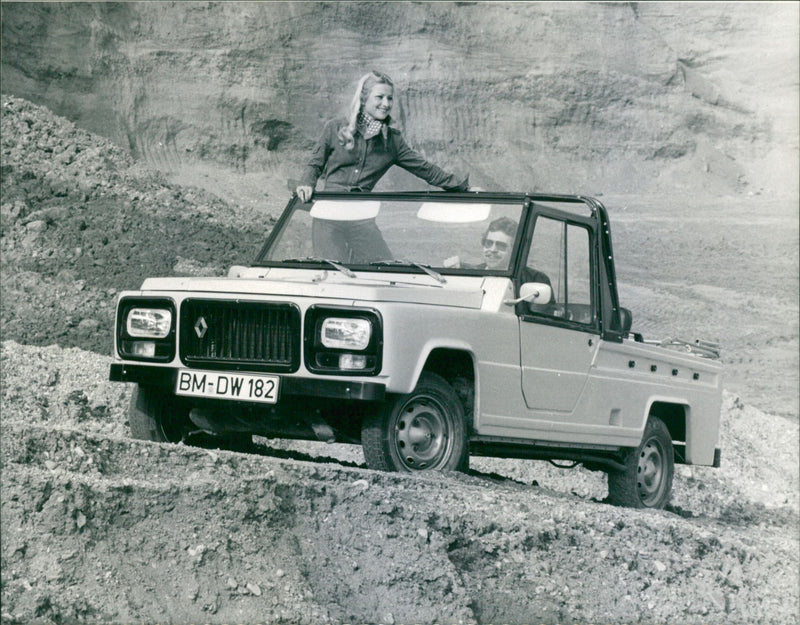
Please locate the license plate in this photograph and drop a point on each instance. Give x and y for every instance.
(241, 386)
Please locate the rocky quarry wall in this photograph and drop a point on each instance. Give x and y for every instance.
(612, 98)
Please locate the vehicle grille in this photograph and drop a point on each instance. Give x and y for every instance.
(245, 335)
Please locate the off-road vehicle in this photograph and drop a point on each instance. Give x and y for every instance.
(428, 354)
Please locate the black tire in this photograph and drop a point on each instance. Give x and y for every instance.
(646, 481)
(156, 415)
(422, 431)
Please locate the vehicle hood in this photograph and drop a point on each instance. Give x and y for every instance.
(458, 291)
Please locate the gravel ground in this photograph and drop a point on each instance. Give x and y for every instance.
(97, 527)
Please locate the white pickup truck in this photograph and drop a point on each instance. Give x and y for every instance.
(427, 327)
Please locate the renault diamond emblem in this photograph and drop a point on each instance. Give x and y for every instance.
(201, 327)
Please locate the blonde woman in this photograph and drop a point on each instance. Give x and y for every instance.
(353, 155)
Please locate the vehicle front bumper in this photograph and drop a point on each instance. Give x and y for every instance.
(305, 387)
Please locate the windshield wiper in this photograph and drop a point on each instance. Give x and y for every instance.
(312, 259)
(410, 263)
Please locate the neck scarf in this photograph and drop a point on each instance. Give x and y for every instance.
(369, 126)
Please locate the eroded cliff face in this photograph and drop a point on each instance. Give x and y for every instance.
(596, 98)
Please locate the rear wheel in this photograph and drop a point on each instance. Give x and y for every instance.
(646, 481)
(421, 431)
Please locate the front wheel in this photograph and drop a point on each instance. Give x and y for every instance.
(421, 431)
(646, 481)
(156, 415)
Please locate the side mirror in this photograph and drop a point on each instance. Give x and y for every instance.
(625, 320)
(533, 293)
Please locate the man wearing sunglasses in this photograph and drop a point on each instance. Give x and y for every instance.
(497, 243)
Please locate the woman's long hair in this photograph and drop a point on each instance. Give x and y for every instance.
(363, 89)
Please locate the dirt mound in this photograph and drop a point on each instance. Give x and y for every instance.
(100, 528)
(81, 221)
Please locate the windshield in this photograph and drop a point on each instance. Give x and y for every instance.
(446, 236)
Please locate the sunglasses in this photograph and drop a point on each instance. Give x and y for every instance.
(501, 246)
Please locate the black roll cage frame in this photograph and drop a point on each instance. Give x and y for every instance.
(611, 328)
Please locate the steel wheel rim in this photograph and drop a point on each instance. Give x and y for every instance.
(651, 472)
(421, 434)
